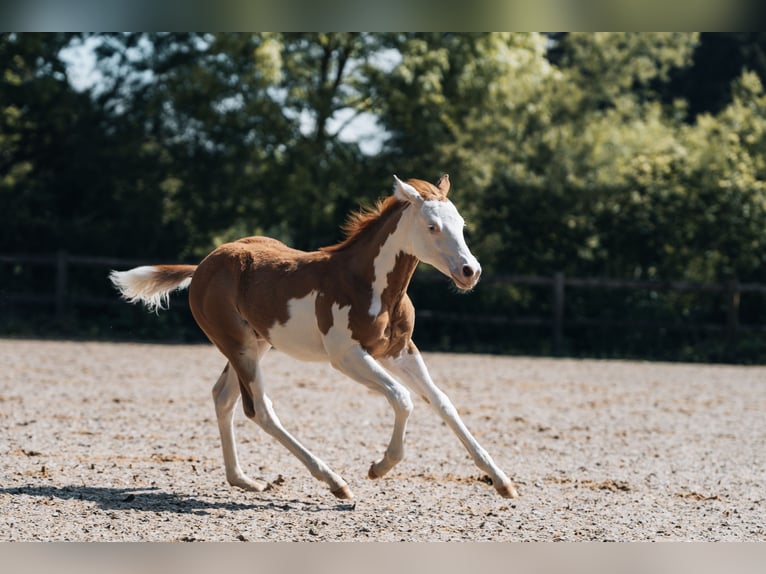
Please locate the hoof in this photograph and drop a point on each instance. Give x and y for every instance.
(371, 473)
(507, 491)
(344, 493)
(248, 484)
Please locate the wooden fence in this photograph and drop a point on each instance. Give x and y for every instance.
(558, 284)
(60, 295)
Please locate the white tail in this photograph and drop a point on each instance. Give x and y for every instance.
(152, 285)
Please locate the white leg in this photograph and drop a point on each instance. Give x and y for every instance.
(360, 366)
(248, 369)
(412, 371)
(226, 396)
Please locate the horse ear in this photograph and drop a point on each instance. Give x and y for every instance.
(405, 192)
(443, 183)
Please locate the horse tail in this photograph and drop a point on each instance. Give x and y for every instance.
(153, 284)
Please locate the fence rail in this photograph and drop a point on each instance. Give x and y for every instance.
(62, 261)
(558, 283)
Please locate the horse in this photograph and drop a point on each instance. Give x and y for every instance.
(345, 304)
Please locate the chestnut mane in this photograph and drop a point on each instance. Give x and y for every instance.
(365, 218)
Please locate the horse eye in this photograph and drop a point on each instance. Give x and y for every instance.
(433, 228)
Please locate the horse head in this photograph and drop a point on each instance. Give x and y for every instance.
(435, 230)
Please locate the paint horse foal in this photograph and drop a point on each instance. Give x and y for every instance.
(346, 304)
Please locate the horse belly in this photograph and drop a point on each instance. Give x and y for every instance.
(300, 337)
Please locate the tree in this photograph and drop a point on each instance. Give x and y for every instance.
(554, 146)
(718, 61)
(31, 123)
(249, 127)
(65, 164)
(726, 211)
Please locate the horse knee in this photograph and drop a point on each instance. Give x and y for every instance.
(403, 405)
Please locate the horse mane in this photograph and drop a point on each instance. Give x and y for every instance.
(363, 219)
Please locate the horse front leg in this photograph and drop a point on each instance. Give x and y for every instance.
(360, 366)
(410, 368)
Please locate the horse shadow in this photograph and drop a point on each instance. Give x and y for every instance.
(154, 499)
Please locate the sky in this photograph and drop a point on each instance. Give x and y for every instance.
(81, 64)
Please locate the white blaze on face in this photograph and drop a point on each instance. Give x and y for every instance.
(435, 236)
(439, 241)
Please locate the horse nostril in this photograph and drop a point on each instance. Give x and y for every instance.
(467, 271)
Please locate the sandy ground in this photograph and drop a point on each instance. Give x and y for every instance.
(118, 442)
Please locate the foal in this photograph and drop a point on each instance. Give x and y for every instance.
(345, 304)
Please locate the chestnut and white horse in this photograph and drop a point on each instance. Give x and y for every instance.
(345, 304)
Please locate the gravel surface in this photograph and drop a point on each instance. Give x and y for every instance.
(118, 442)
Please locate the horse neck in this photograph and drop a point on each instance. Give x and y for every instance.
(379, 255)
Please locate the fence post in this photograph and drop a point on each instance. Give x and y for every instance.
(732, 308)
(62, 273)
(558, 312)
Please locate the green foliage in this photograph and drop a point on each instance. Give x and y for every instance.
(609, 154)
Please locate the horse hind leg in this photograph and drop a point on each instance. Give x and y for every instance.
(226, 395)
(259, 408)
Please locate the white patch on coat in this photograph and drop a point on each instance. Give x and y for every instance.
(300, 337)
(339, 338)
(383, 265)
